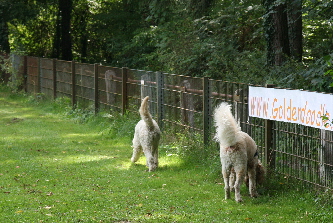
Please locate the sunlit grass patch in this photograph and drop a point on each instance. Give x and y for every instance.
(77, 159)
(170, 161)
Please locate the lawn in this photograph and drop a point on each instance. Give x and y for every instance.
(60, 166)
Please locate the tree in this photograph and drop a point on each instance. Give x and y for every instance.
(5, 18)
(81, 16)
(295, 29)
(19, 10)
(199, 8)
(276, 27)
(283, 27)
(4, 42)
(62, 46)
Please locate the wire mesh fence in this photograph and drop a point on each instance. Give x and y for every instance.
(185, 103)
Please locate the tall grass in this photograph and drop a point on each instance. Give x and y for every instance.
(59, 165)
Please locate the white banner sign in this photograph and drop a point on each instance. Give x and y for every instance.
(295, 106)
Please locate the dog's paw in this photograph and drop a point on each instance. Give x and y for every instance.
(254, 195)
(239, 200)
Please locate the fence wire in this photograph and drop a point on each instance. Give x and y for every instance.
(182, 102)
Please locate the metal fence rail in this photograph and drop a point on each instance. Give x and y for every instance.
(182, 102)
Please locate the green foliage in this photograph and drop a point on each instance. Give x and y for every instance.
(81, 115)
(37, 99)
(119, 125)
(35, 36)
(314, 77)
(219, 39)
(189, 146)
(194, 47)
(318, 41)
(7, 68)
(15, 13)
(329, 60)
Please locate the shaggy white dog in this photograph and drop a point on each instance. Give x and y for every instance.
(146, 137)
(238, 152)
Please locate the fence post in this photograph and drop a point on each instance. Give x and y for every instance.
(124, 90)
(25, 74)
(269, 151)
(39, 86)
(160, 97)
(110, 86)
(186, 104)
(205, 110)
(326, 157)
(145, 89)
(54, 72)
(96, 88)
(73, 85)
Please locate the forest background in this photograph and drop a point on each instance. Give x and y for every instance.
(288, 43)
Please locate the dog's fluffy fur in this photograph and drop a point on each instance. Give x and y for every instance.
(146, 137)
(260, 176)
(238, 152)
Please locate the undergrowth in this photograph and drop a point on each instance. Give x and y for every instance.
(187, 145)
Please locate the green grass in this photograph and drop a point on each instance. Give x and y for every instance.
(61, 166)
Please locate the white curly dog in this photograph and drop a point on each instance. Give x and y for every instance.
(238, 153)
(146, 137)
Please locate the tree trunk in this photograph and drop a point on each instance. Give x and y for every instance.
(4, 42)
(56, 39)
(276, 27)
(295, 29)
(65, 7)
(199, 8)
(84, 15)
(62, 44)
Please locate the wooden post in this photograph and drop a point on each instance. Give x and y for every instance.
(25, 73)
(160, 110)
(145, 89)
(96, 88)
(269, 151)
(187, 104)
(54, 72)
(73, 86)
(326, 157)
(205, 110)
(183, 105)
(124, 90)
(39, 90)
(110, 87)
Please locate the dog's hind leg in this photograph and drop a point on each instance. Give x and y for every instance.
(150, 159)
(226, 171)
(240, 173)
(252, 182)
(155, 156)
(232, 179)
(151, 164)
(137, 150)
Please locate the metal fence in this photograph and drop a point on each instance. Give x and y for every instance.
(182, 102)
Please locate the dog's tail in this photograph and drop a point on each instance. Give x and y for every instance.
(144, 112)
(226, 126)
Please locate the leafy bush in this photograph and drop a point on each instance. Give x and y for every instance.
(7, 68)
(119, 125)
(313, 76)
